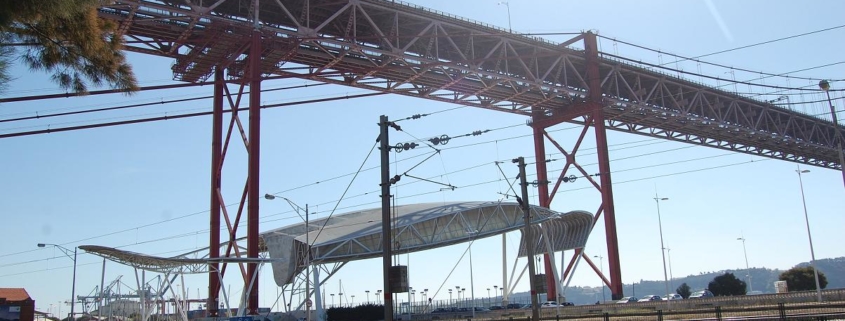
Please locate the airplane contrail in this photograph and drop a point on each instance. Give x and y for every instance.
(722, 25)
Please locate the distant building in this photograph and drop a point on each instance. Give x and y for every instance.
(119, 308)
(16, 305)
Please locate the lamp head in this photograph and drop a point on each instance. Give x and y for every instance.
(41, 245)
(824, 85)
(269, 196)
(503, 3)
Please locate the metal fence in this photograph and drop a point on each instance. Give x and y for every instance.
(786, 306)
(781, 311)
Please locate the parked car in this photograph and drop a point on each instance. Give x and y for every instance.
(672, 297)
(515, 306)
(701, 294)
(627, 299)
(549, 304)
(481, 309)
(553, 304)
(443, 310)
(649, 298)
(496, 307)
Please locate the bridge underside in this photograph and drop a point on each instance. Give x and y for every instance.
(408, 50)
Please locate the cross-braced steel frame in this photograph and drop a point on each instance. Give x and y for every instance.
(395, 47)
(590, 114)
(250, 196)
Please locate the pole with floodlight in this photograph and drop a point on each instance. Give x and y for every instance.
(73, 286)
(297, 208)
(809, 236)
(509, 14)
(825, 86)
(601, 269)
(662, 248)
(747, 269)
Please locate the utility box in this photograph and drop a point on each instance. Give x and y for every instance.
(398, 279)
(780, 287)
(540, 283)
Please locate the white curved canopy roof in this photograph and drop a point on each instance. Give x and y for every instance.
(357, 235)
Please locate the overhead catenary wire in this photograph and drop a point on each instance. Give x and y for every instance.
(712, 77)
(303, 186)
(500, 139)
(560, 191)
(561, 129)
(178, 116)
(696, 58)
(344, 192)
(161, 102)
(786, 73)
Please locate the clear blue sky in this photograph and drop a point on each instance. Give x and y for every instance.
(107, 186)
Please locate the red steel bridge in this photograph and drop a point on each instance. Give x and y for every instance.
(394, 47)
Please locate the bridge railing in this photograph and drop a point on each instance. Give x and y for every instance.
(464, 19)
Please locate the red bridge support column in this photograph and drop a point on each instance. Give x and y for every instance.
(595, 99)
(545, 201)
(214, 228)
(589, 113)
(252, 181)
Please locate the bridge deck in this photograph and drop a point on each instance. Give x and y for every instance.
(400, 48)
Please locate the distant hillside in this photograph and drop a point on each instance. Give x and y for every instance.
(762, 279)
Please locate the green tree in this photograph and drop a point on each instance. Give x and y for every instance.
(727, 284)
(6, 55)
(684, 290)
(67, 39)
(802, 279)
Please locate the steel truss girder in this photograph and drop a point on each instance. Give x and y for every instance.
(415, 52)
(659, 106)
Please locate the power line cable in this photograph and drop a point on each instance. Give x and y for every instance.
(713, 77)
(162, 102)
(290, 217)
(474, 185)
(178, 116)
(683, 58)
(344, 193)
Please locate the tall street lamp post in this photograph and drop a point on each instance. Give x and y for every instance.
(825, 85)
(662, 248)
(296, 209)
(669, 258)
(509, 14)
(747, 269)
(73, 286)
(601, 269)
(809, 236)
